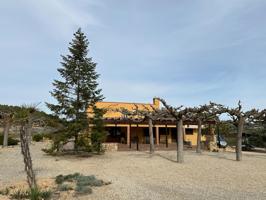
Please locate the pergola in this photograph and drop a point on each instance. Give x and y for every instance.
(130, 122)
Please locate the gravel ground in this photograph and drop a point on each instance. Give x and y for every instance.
(137, 175)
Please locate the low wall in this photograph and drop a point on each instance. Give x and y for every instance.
(110, 146)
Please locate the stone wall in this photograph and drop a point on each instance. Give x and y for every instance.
(110, 146)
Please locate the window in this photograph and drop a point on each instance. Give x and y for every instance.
(189, 131)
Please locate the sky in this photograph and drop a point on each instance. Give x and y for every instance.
(188, 52)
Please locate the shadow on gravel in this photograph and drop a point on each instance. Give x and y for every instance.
(220, 156)
(165, 157)
(263, 156)
(141, 154)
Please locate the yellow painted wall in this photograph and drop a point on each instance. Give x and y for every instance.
(193, 138)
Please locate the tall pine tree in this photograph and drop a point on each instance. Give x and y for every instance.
(98, 134)
(78, 87)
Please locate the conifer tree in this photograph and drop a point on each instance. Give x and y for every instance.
(98, 134)
(77, 88)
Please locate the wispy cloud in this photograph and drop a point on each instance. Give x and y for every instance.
(60, 17)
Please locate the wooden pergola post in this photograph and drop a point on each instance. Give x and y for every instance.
(157, 135)
(166, 136)
(137, 137)
(128, 134)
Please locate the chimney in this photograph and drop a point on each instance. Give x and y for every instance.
(156, 103)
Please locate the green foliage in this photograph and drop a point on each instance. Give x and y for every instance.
(77, 89)
(9, 108)
(59, 138)
(89, 181)
(46, 194)
(226, 129)
(64, 187)
(59, 179)
(98, 134)
(37, 137)
(258, 140)
(36, 194)
(83, 183)
(84, 142)
(40, 136)
(83, 190)
(70, 177)
(32, 194)
(20, 194)
(11, 141)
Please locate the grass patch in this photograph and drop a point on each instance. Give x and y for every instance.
(33, 194)
(20, 194)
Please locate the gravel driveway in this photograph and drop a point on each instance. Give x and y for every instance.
(137, 175)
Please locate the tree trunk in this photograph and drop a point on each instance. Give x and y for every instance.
(198, 150)
(76, 142)
(29, 130)
(151, 136)
(6, 132)
(180, 142)
(27, 157)
(240, 128)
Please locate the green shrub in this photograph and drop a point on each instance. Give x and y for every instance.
(37, 137)
(70, 177)
(83, 190)
(20, 194)
(89, 181)
(47, 194)
(59, 179)
(64, 187)
(83, 183)
(33, 194)
(11, 141)
(36, 194)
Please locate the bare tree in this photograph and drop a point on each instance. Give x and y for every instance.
(202, 115)
(239, 117)
(151, 135)
(24, 143)
(152, 114)
(180, 115)
(6, 119)
(23, 119)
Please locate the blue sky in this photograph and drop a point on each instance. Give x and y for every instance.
(188, 52)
